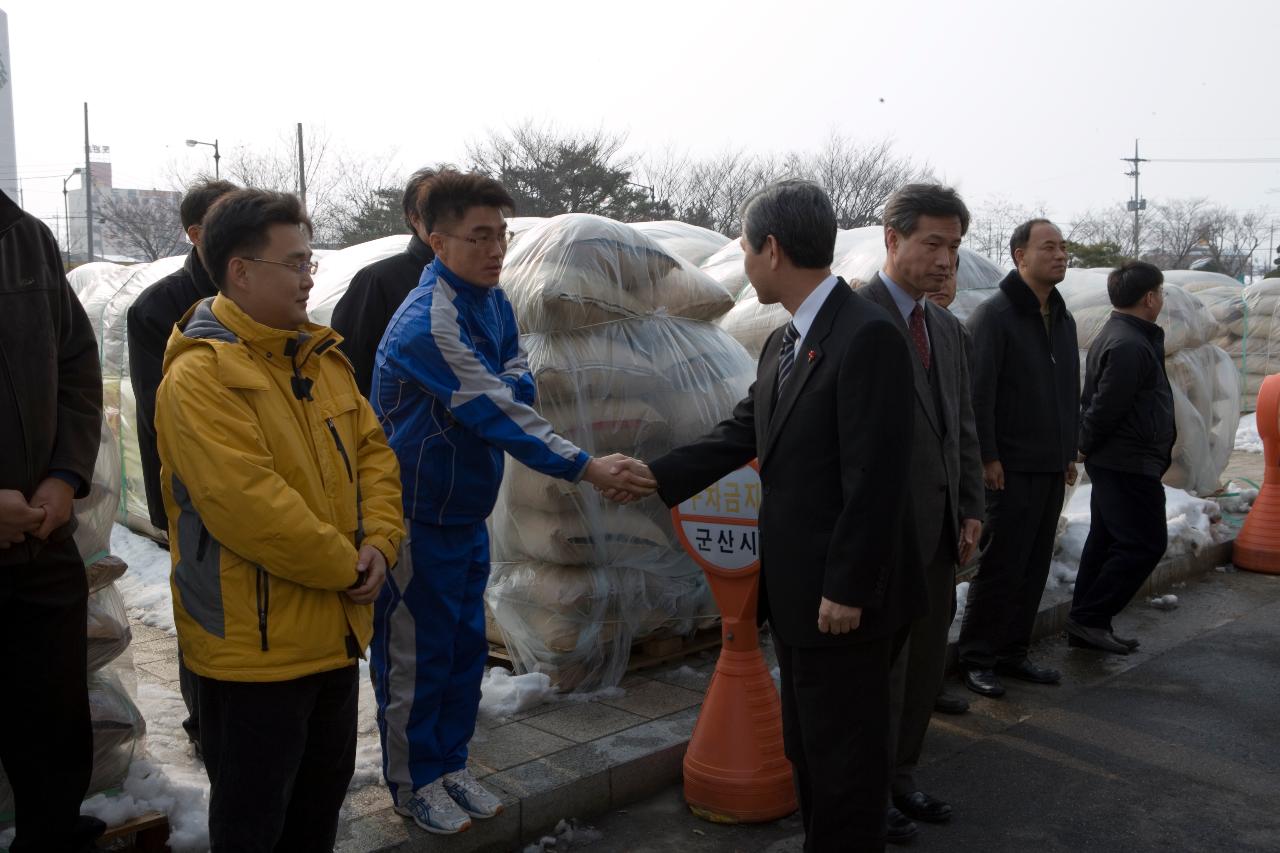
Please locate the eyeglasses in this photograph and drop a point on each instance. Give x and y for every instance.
(497, 241)
(301, 267)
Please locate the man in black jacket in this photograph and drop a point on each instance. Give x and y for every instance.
(1127, 432)
(149, 323)
(1026, 390)
(830, 419)
(50, 417)
(362, 314)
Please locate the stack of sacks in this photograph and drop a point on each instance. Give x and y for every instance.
(692, 242)
(1250, 333)
(859, 255)
(1206, 391)
(618, 340)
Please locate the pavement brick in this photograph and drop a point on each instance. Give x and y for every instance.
(512, 744)
(584, 721)
(654, 699)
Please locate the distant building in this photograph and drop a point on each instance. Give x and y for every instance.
(154, 215)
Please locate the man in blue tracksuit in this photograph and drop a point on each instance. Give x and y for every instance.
(453, 391)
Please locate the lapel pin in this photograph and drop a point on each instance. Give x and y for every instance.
(813, 355)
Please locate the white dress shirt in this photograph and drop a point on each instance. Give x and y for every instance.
(808, 310)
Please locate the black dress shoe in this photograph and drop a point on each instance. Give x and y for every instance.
(920, 806)
(898, 828)
(984, 682)
(1131, 642)
(1025, 670)
(945, 703)
(1082, 636)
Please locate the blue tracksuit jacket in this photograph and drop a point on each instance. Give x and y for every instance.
(452, 390)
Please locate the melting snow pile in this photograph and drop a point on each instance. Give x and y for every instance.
(1247, 438)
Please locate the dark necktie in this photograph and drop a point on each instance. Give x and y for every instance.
(787, 355)
(919, 336)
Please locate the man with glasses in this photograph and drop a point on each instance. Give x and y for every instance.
(453, 391)
(283, 503)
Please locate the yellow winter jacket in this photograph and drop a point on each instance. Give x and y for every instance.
(274, 471)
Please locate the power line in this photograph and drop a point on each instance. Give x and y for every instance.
(1240, 160)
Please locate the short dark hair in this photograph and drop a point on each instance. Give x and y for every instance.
(413, 192)
(1131, 281)
(199, 197)
(800, 217)
(1021, 236)
(453, 193)
(239, 222)
(904, 208)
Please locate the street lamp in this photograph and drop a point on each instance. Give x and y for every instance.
(66, 208)
(192, 143)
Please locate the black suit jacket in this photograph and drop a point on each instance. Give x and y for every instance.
(835, 453)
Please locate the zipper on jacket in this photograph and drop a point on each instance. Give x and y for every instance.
(202, 543)
(264, 598)
(337, 439)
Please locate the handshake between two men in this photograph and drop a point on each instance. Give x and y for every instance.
(620, 478)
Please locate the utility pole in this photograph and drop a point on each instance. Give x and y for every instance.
(302, 171)
(1137, 204)
(88, 189)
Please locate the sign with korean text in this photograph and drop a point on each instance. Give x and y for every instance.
(717, 526)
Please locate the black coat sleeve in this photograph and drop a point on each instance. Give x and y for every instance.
(987, 340)
(79, 426)
(147, 337)
(874, 411)
(361, 317)
(687, 470)
(1122, 370)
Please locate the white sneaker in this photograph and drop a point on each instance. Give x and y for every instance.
(435, 811)
(467, 792)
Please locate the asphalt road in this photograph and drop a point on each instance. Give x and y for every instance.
(1176, 747)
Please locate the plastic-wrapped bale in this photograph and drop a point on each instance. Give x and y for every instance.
(118, 730)
(336, 269)
(578, 270)
(1194, 281)
(97, 512)
(1249, 334)
(577, 623)
(691, 242)
(107, 291)
(107, 627)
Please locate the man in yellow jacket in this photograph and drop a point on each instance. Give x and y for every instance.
(284, 511)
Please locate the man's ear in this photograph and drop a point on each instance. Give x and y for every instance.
(774, 250)
(193, 233)
(436, 241)
(237, 276)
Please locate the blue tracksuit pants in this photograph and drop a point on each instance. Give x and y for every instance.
(428, 653)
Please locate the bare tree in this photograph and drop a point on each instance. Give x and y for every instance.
(858, 178)
(991, 224)
(549, 171)
(1231, 238)
(147, 224)
(1175, 230)
(1111, 225)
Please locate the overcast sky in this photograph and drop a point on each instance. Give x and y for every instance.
(1031, 102)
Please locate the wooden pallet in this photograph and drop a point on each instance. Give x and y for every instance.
(645, 653)
(149, 832)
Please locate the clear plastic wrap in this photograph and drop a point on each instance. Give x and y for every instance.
(576, 579)
(692, 242)
(107, 627)
(1248, 331)
(336, 270)
(1186, 321)
(578, 270)
(118, 731)
(97, 512)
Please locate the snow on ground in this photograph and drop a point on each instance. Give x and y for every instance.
(567, 835)
(1247, 437)
(145, 586)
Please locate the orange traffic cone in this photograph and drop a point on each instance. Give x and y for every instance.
(1257, 547)
(735, 770)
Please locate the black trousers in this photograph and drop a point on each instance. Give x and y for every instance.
(1128, 535)
(1004, 598)
(835, 729)
(916, 677)
(46, 741)
(280, 756)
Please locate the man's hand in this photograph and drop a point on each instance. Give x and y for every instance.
(993, 475)
(17, 518)
(372, 567)
(54, 496)
(620, 478)
(838, 618)
(970, 533)
(1071, 474)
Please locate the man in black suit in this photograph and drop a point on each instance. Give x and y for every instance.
(374, 295)
(923, 227)
(830, 419)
